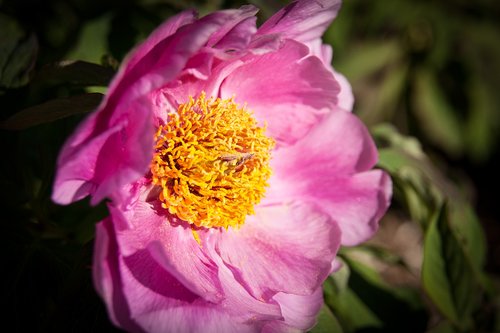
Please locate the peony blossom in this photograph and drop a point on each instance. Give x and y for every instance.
(233, 170)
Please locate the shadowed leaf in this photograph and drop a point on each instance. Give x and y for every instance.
(52, 110)
(74, 72)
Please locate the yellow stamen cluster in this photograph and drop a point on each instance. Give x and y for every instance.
(212, 162)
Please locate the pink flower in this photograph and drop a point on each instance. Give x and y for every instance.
(228, 219)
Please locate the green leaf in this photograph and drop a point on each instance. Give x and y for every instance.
(350, 310)
(443, 327)
(92, 43)
(382, 98)
(17, 54)
(79, 73)
(368, 58)
(366, 301)
(52, 110)
(447, 274)
(482, 124)
(437, 118)
(327, 323)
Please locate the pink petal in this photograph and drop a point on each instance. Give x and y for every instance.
(281, 249)
(288, 89)
(143, 297)
(122, 124)
(111, 158)
(325, 53)
(345, 97)
(302, 20)
(299, 312)
(170, 243)
(236, 33)
(147, 229)
(330, 168)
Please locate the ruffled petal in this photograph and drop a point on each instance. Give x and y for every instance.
(302, 20)
(281, 249)
(158, 62)
(325, 53)
(145, 228)
(113, 157)
(141, 296)
(236, 34)
(287, 89)
(330, 168)
(299, 312)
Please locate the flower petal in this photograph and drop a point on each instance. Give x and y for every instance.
(299, 312)
(147, 228)
(143, 297)
(113, 157)
(288, 89)
(236, 33)
(120, 113)
(281, 249)
(170, 243)
(330, 168)
(302, 20)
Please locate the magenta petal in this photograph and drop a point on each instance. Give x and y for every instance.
(237, 32)
(123, 123)
(172, 245)
(299, 312)
(143, 297)
(107, 278)
(302, 20)
(287, 89)
(117, 156)
(281, 249)
(330, 168)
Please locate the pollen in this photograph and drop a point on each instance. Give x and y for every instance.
(212, 162)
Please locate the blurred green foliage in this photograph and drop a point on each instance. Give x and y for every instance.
(425, 76)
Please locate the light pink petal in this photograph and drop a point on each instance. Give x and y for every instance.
(287, 89)
(299, 312)
(325, 53)
(330, 168)
(148, 229)
(302, 20)
(170, 243)
(281, 249)
(345, 97)
(143, 297)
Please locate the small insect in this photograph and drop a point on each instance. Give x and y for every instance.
(239, 158)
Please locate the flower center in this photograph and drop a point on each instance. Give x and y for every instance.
(212, 162)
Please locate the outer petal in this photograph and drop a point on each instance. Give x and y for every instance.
(282, 249)
(236, 34)
(145, 228)
(302, 20)
(109, 159)
(142, 297)
(325, 53)
(345, 97)
(156, 63)
(288, 89)
(330, 167)
(299, 312)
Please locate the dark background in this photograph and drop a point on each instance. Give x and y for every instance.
(431, 69)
